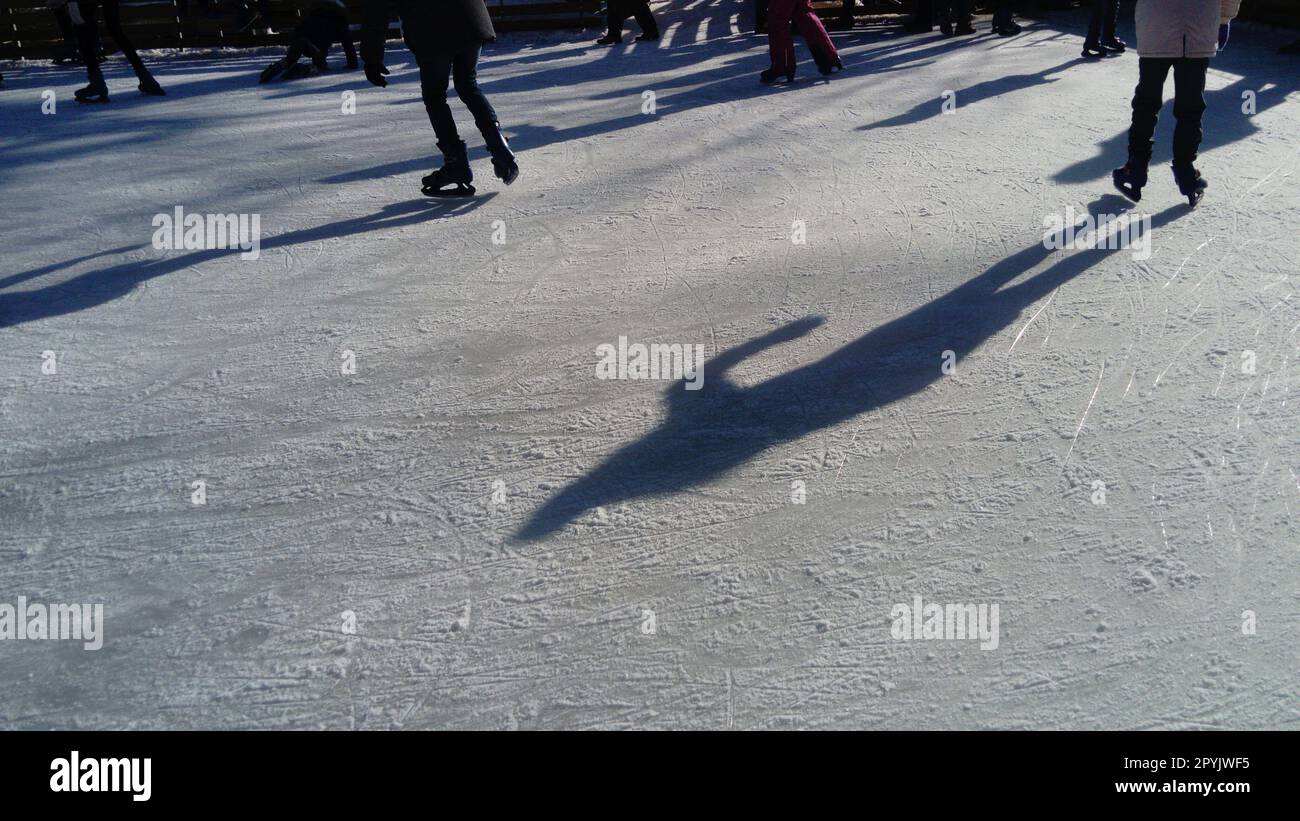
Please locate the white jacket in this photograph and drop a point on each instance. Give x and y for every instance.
(1182, 28)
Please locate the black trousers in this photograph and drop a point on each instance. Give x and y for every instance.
(88, 37)
(1104, 15)
(1189, 105)
(617, 12)
(462, 68)
(956, 10)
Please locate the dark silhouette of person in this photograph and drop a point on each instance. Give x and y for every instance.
(709, 431)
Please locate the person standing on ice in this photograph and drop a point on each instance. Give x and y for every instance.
(84, 18)
(446, 38)
(1181, 35)
(616, 14)
(324, 24)
(1101, 39)
(780, 40)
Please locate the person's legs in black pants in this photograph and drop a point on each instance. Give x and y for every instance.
(434, 75)
(1101, 28)
(113, 21)
(760, 16)
(1189, 106)
(645, 19)
(1148, 97)
(464, 71)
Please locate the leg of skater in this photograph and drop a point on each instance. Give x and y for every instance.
(819, 42)
(760, 16)
(434, 75)
(645, 18)
(464, 70)
(96, 91)
(616, 15)
(1004, 20)
(113, 21)
(962, 17)
(1147, 99)
(1189, 106)
(71, 49)
(780, 42)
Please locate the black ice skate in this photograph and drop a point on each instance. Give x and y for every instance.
(1131, 179)
(96, 92)
(1190, 182)
(272, 71)
(772, 75)
(610, 39)
(503, 159)
(455, 171)
(1114, 45)
(148, 85)
(1093, 51)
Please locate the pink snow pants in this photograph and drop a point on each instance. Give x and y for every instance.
(779, 41)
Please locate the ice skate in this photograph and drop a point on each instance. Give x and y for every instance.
(96, 92)
(1190, 183)
(455, 171)
(503, 159)
(1131, 179)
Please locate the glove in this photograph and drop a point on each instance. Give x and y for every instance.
(1224, 29)
(375, 74)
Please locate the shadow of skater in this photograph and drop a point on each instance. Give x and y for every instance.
(974, 94)
(710, 431)
(106, 284)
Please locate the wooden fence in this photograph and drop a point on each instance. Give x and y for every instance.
(28, 29)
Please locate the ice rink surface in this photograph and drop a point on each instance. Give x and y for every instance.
(422, 508)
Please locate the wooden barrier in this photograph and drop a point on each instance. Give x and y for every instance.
(28, 29)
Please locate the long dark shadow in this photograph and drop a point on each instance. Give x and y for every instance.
(107, 284)
(710, 431)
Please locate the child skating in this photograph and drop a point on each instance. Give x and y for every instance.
(446, 38)
(1181, 35)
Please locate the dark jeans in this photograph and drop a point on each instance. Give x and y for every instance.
(958, 11)
(88, 37)
(1002, 12)
(463, 69)
(1189, 105)
(1104, 15)
(617, 12)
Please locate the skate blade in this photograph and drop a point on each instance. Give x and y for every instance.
(89, 100)
(450, 193)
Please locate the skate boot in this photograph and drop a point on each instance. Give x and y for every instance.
(964, 27)
(96, 92)
(1093, 50)
(1114, 45)
(503, 159)
(272, 71)
(298, 70)
(1190, 182)
(1132, 178)
(772, 75)
(610, 39)
(455, 171)
(148, 85)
